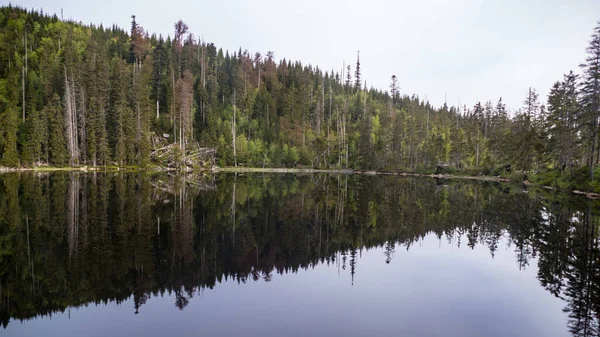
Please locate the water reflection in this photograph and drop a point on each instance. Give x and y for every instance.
(67, 240)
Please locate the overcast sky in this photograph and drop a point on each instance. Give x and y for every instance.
(465, 50)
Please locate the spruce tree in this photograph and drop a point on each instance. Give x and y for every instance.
(590, 95)
(348, 77)
(57, 144)
(133, 36)
(357, 74)
(9, 124)
(395, 88)
(562, 110)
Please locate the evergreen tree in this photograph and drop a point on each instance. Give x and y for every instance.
(562, 110)
(126, 94)
(357, 74)
(394, 88)
(9, 124)
(57, 146)
(590, 96)
(348, 77)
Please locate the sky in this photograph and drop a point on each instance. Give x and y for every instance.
(459, 51)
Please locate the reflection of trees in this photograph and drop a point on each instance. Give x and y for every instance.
(73, 206)
(582, 271)
(389, 250)
(181, 299)
(72, 239)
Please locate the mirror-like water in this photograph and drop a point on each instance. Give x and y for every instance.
(295, 255)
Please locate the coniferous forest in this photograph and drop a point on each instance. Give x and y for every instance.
(87, 95)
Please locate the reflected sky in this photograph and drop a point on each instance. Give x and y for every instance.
(433, 289)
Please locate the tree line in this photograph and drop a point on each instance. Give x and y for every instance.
(74, 94)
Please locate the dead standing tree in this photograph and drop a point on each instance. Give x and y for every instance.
(71, 121)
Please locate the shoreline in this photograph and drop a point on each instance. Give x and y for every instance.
(73, 169)
(231, 169)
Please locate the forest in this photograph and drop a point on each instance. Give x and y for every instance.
(69, 240)
(89, 95)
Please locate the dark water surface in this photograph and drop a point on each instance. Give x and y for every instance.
(293, 255)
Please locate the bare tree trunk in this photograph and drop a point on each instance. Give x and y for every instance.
(24, 74)
(593, 148)
(477, 157)
(73, 214)
(70, 121)
(26, 58)
(233, 204)
(23, 71)
(75, 124)
(82, 124)
(173, 103)
(203, 71)
(233, 130)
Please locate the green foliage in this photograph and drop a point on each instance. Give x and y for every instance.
(57, 148)
(517, 177)
(9, 122)
(116, 91)
(546, 178)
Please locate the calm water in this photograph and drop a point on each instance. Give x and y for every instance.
(293, 255)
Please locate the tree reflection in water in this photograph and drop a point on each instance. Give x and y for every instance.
(69, 239)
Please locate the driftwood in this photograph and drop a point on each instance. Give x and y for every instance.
(193, 154)
(174, 184)
(160, 149)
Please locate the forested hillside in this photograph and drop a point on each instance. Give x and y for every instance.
(72, 94)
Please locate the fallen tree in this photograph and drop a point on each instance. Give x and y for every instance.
(176, 156)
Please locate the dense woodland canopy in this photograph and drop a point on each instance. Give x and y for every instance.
(74, 94)
(73, 239)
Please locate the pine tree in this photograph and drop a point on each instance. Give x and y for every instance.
(348, 77)
(357, 74)
(562, 109)
(9, 124)
(394, 89)
(157, 93)
(35, 128)
(590, 95)
(531, 105)
(57, 144)
(102, 93)
(32, 149)
(133, 36)
(529, 138)
(499, 135)
(120, 115)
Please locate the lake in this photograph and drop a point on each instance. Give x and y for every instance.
(124, 254)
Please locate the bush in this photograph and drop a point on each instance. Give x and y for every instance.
(305, 156)
(548, 178)
(450, 170)
(420, 169)
(516, 177)
(471, 172)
